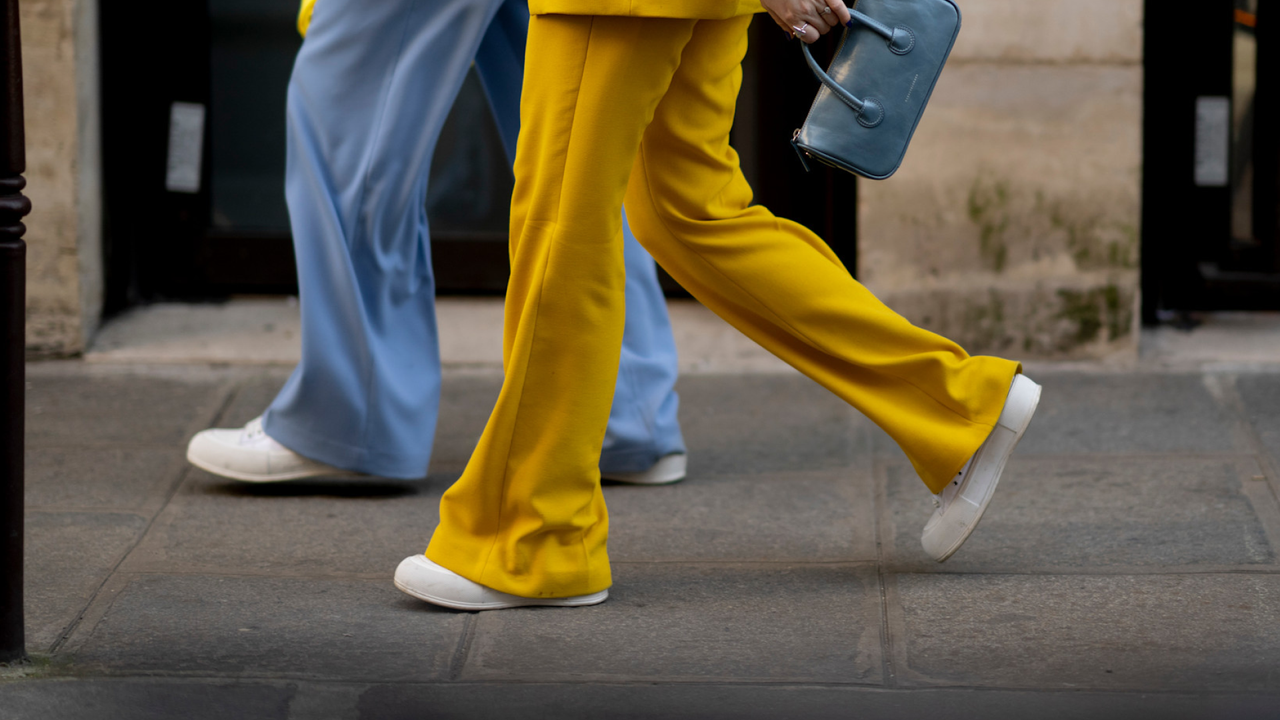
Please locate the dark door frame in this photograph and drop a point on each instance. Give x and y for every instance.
(1189, 259)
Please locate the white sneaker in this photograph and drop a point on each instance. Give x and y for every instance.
(668, 469)
(961, 504)
(249, 454)
(425, 580)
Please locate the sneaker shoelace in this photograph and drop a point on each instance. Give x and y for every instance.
(944, 498)
(253, 432)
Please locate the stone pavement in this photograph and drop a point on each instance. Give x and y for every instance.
(1129, 566)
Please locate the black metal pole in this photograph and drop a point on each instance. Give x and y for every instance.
(13, 284)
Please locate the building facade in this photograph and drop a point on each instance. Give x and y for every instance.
(1015, 225)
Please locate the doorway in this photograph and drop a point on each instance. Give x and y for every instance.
(1211, 159)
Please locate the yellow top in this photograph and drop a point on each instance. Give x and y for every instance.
(304, 16)
(685, 9)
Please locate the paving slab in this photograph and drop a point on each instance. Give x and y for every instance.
(252, 396)
(65, 411)
(697, 701)
(197, 699)
(323, 527)
(739, 425)
(269, 627)
(732, 425)
(1211, 632)
(1128, 413)
(465, 404)
(111, 478)
(162, 699)
(144, 700)
(816, 516)
(696, 623)
(69, 556)
(1152, 512)
(1261, 396)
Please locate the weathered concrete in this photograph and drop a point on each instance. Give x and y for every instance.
(116, 411)
(1220, 341)
(1131, 413)
(1097, 631)
(767, 424)
(281, 627)
(696, 623)
(204, 699)
(69, 555)
(268, 332)
(1013, 224)
(1136, 531)
(1260, 395)
(64, 265)
(822, 516)
(1103, 513)
(101, 478)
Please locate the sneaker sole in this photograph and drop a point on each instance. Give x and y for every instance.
(267, 478)
(577, 601)
(1007, 433)
(666, 473)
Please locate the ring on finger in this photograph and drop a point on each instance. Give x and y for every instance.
(826, 11)
(800, 30)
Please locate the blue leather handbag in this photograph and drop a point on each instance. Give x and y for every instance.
(878, 84)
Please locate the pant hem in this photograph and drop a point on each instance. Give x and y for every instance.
(341, 455)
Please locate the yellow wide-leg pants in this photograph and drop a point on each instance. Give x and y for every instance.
(640, 109)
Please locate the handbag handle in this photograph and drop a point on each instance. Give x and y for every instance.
(870, 112)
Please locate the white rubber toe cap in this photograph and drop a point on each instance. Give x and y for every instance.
(425, 580)
(227, 453)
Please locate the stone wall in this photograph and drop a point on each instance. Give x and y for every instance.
(64, 265)
(1013, 225)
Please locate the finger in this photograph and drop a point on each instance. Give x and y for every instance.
(816, 22)
(841, 11)
(802, 27)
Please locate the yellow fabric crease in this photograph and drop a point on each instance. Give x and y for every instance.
(640, 109)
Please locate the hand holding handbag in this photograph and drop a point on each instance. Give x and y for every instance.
(878, 84)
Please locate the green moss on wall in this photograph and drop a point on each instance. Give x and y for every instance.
(989, 210)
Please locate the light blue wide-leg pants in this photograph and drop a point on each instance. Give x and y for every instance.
(370, 91)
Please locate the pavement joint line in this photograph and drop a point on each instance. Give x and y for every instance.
(879, 504)
(72, 639)
(458, 663)
(71, 628)
(1226, 389)
(184, 471)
